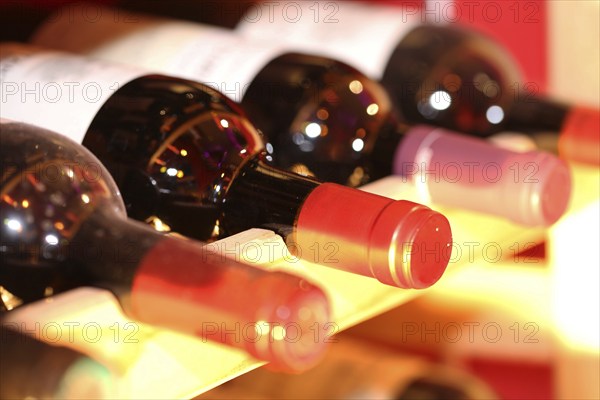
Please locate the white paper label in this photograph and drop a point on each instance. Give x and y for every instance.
(57, 91)
(211, 55)
(361, 35)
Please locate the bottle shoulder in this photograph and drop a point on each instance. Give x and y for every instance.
(322, 116)
(452, 77)
(174, 147)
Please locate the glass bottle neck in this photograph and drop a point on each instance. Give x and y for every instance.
(265, 196)
(108, 249)
(533, 114)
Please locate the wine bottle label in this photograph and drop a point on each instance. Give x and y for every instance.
(580, 136)
(361, 35)
(214, 56)
(57, 91)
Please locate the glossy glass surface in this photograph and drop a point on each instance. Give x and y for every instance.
(323, 117)
(454, 78)
(49, 186)
(188, 160)
(174, 148)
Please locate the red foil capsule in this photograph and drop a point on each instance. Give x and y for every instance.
(271, 315)
(400, 243)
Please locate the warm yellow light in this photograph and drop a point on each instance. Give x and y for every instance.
(301, 169)
(259, 326)
(158, 224)
(183, 152)
(278, 332)
(575, 260)
(355, 87)
(372, 109)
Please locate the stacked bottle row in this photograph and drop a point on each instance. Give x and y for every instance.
(187, 159)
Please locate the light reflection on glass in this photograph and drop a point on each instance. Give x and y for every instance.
(278, 332)
(298, 138)
(313, 130)
(355, 87)
(257, 327)
(224, 123)
(301, 169)
(495, 114)
(358, 144)
(440, 100)
(158, 224)
(85, 198)
(51, 239)
(372, 109)
(9, 300)
(357, 176)
(322, 114)
(171, 171)
(14, 225)
(8, 200)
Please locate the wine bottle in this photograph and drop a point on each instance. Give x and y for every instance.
(184, 155)
(439, 74)
(35, 370)
(327, 119)
(64, 225)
